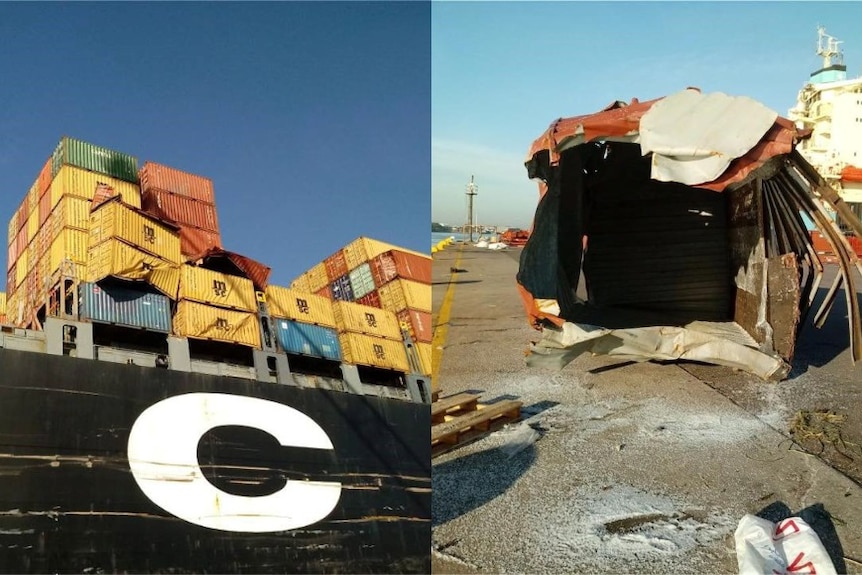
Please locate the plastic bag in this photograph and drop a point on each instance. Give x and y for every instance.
(790, 546)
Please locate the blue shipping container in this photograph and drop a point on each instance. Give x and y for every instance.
(341, 289)
(308, 339)
(116, 304)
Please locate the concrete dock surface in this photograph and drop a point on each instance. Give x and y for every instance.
(621, 467)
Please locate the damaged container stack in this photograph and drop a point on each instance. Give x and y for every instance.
(379, 276)
(304, 323)
(50, 229)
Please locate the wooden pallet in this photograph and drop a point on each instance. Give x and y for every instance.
(460, 419)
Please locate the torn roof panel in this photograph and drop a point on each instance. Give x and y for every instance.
(617, 121)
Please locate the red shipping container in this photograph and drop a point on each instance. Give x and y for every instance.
(44, 181)
(21, 240)
(371, 298)
(12, 255)
(394, 264)
(195, 241)
(44, 208)
(157, 176)
(324, 292)
(336, 266)
(419, 322)
(11, 279)
(21, 215)
(180, 209)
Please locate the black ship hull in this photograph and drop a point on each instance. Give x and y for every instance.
(108, 468)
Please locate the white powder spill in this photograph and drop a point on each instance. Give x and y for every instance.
(622, 525)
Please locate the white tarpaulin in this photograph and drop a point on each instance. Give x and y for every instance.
(694, 137)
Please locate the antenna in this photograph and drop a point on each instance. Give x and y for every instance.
(472, 190)
(830, 52)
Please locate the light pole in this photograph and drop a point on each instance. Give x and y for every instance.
(472, 190)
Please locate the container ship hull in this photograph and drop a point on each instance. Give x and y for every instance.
(105, 468)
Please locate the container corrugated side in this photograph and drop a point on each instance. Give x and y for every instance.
(2, 303)
(80, 183)
(336, 266)
(400, 264)
(32, 225)
(361, 281)
(44, 208)
(70, 212)
(116, 258)
(20, 271)
(74, 152)
(405, 294)
(11, 256)
(180, 209)
(418, 323)
(307, 339)
(365, 249)
(12, 280)
(301, 306)
(317, 277)
(424, 350)
(32, 198)
(215, 288)
(195, 241)
(301, 284)
(161, 177)
(341, 289)
(361, 349)
(11, 231)
(372, 299)
(115, 220)
(125, 306)
(357, 318)
(201, 321)
(44, 179)
(324, 292)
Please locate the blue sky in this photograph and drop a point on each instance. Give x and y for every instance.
(502, 72)
(312, 119)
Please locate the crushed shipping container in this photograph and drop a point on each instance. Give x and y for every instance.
(80, 183)
(114, 219)
(113, 303)
(685, 256)
(215, 288)
(308, 339)
(116, 258)
(303, 307)
(201, 321)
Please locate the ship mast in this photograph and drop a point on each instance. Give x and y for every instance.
(829, 50)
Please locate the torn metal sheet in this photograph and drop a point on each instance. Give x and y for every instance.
(693, 342)
(679, 131)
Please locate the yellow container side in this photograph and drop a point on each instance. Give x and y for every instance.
(301, 284)
(214, 288)
(33, 198)
(361, 349)
(358, 318)
(32, 225)
(72, 181)
(424, 350)
(11, 230)
(21, 270)
(401, 294)
(300, 306)
(71, 212)
(2, 303)
(115, 220)
(116, 258)
(365, 249)
(70, 244)
(201, 321)
(317, 278)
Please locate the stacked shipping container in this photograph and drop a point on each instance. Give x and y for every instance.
(132, 247)
(378, 275)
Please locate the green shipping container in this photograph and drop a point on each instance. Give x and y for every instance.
(94, 158)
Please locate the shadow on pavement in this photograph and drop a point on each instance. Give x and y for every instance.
(469, 482)
(820, 521)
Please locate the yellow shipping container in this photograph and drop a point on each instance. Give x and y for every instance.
(11, 230)
(300, 306)
(32, 225)
(116, 258)
(363, 249)
(201, 321)
(360, 349)
(317, 278)
(358, 318)
(32, 198)
(2, 303)
(71, 212)
(424, 350)
(116, 220)
(72, 181)
(214, 288)
(21, 270)
(301, 284)
(71, 244)
(403, 294)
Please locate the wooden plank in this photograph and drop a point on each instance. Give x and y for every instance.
(452, 405)
(479, 420)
